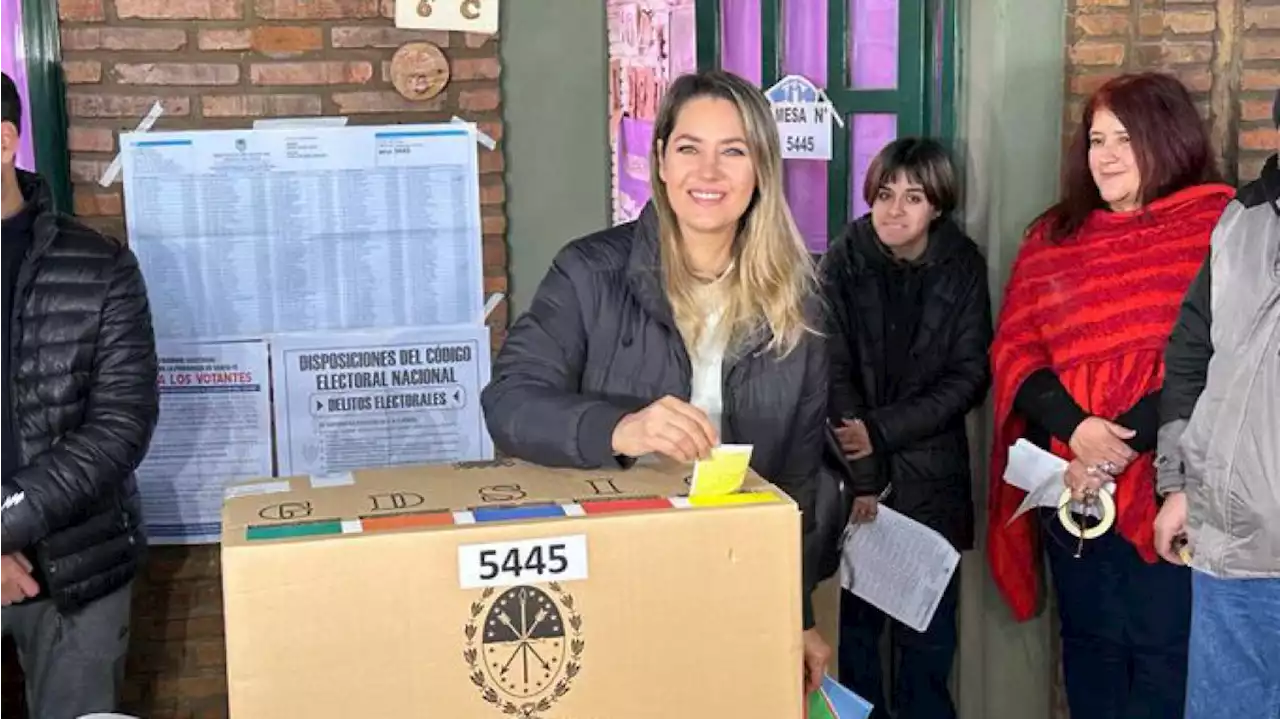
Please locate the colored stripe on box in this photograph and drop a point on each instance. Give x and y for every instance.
(498, 514)
(292, 531)
(407, 521)
(633, 504)
(515, 514)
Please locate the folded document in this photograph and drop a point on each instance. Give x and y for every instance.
(1041, 475)
(833, 701)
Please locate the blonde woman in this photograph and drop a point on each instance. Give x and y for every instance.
(687, 328)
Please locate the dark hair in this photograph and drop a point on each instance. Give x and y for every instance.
(923, 161)
(1170, 143)
(12, 103)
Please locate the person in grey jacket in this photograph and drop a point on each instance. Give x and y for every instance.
(696, 324)
(1219, 464)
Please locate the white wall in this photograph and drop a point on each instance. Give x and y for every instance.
(555, 78)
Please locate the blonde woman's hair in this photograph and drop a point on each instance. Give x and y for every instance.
(771, 276)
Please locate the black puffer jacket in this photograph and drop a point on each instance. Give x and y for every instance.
(84, 404)
(599, 341)
(913, 399)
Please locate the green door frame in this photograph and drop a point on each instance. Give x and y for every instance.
(924, 101)
(46, 94)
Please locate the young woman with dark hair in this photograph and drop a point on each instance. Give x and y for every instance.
(909, 329)
(1078, 364)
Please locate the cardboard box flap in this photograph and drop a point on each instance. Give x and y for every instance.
(424, 497)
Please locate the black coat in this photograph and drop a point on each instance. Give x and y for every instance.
(913, 400)
(600, 341)
(84, 404)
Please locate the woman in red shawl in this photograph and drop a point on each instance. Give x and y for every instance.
(1078, 365)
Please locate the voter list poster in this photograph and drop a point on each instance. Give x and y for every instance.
(304, 229)
(380, 398)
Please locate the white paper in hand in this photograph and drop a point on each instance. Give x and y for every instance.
(1041, 475)
(898, 565)
(1029, 467)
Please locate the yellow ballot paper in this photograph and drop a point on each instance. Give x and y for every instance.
(722, 473)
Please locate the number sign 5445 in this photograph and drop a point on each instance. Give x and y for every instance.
(530, 561)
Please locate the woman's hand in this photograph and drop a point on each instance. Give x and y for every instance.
(670, 426)
(1082, 480)
(816, 656)
(1100, 443)
(864, 509)
(854, 440)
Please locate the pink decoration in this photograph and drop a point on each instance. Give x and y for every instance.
(650, 43)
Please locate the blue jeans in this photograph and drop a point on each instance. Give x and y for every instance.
(924, 659)
(1234, 667)
(1124, 627)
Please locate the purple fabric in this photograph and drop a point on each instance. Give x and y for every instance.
(869, 133)
(873, 53)
(15, 68)
(633, 167)
(740, 38)
(804, 46)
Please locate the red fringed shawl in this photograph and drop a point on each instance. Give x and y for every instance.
(1096, 308)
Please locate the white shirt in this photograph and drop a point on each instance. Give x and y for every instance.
(708, 368)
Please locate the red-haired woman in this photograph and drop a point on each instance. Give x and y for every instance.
(1078, 364)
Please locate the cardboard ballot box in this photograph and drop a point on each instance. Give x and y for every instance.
(501, 589)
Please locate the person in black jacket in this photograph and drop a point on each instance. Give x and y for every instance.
(80, 404)
(909, 329)
(694, 325)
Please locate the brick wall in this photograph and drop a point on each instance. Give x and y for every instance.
(219, 64)
(1259, 80)
(1227, 52)
(1112, 36)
